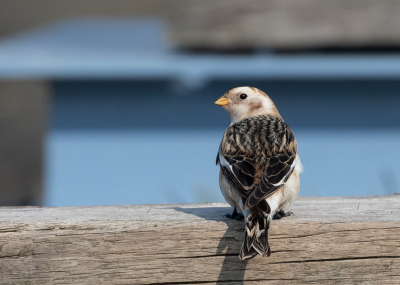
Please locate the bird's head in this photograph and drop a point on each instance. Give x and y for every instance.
(245, 102)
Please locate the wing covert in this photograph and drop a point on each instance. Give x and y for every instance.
(257, 156)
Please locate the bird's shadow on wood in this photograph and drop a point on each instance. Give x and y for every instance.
(233, 269)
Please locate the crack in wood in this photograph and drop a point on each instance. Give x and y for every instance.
(340, 259)
(220, 281)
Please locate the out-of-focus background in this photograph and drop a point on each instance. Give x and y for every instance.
(111, 102)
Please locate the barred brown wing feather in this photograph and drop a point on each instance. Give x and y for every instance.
(241, 176)
(274, 177)
(233, 181)
(244, 172)
(257, 153)
(244, 179)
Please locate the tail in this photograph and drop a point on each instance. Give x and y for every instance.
(256, 235)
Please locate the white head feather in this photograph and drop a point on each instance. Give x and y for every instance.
(245, 102)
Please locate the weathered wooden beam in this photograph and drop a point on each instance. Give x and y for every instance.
(284, 24)
(329, 240)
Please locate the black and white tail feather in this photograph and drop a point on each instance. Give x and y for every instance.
(256, 235)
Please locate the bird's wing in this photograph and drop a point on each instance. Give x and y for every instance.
(257, 156)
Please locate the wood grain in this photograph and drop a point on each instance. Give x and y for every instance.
(351, 240)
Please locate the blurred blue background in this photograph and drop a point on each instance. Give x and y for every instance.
(130, 119)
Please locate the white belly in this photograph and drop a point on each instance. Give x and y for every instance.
(284, 197)
(231, 195)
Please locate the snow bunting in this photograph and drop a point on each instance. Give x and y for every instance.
(259, 165)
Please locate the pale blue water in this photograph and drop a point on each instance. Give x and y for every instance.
(143, 167)
(131, 142)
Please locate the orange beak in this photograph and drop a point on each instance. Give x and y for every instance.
(222, 101)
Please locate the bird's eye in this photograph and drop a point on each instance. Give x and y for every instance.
(243, 96)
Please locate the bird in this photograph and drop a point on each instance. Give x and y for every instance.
(259, 165)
